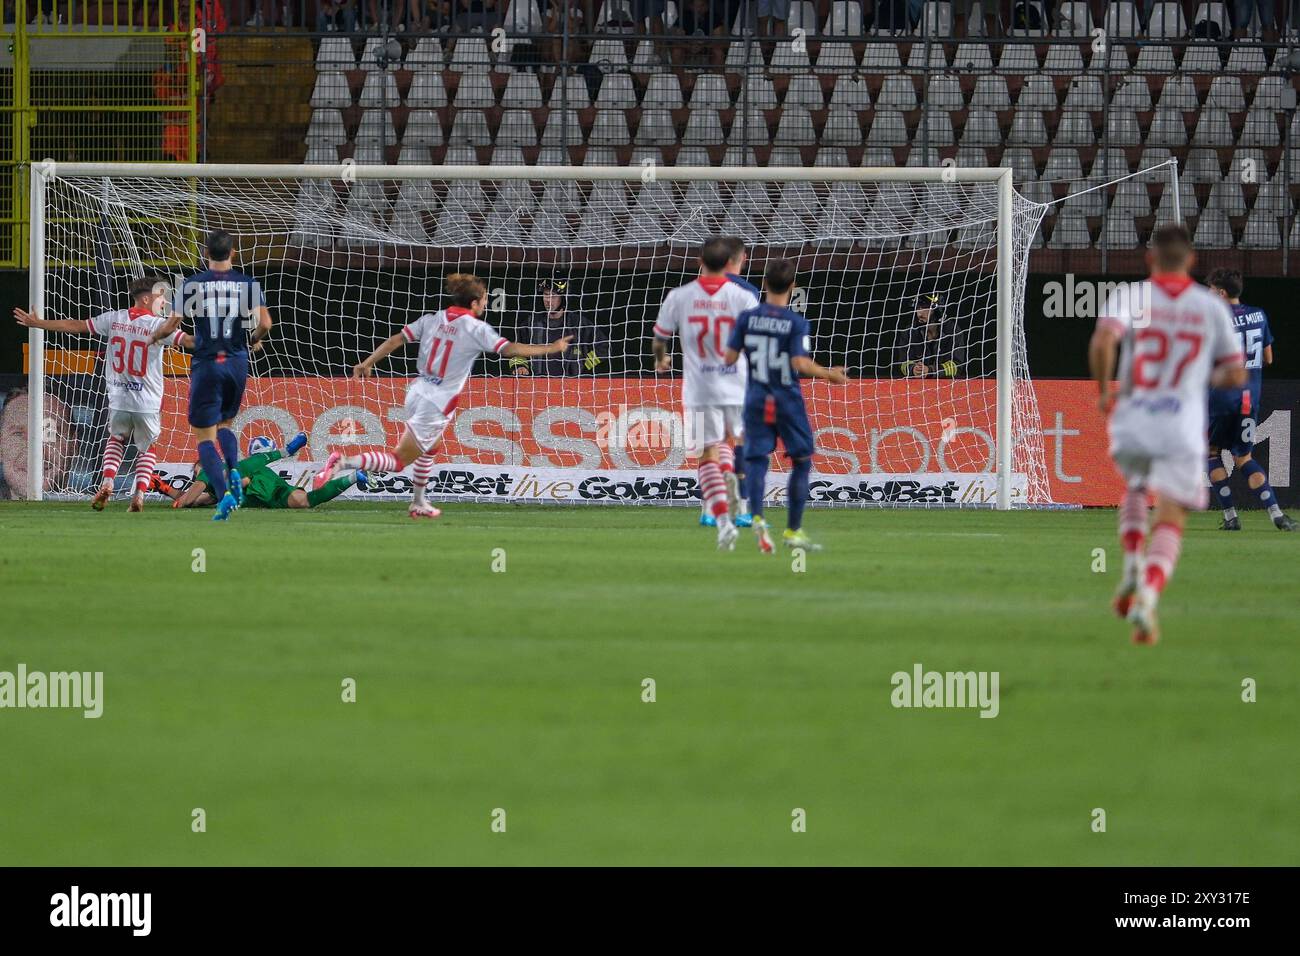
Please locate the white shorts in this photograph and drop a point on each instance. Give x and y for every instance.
(709, 424)
(424, 416)
(1180, 478)
(140, 429)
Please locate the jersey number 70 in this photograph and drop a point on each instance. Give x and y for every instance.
(721, 327)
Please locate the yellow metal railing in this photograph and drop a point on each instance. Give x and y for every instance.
(93, 81)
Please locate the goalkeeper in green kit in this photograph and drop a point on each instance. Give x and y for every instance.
(264, 488)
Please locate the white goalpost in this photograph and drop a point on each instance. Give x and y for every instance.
(912, 278)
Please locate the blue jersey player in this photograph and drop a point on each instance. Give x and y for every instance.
(774, 340)
(1234, 412)
(229, 316)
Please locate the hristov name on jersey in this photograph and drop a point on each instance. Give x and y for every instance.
(71, 690)
(75, 909)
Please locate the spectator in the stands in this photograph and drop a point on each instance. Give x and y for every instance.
(388, 12)
(1243, 13)
(698, 19)
(963, 12)
(933, 345)
(648, 15)
(482, 15)
(336, 16)
(589, 352)
(772, 17)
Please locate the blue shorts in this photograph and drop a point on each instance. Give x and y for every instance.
(1230, 430)
(217, 389)
(766, 418)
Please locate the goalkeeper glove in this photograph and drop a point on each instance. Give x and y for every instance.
(591, 360)
(950, 368)
(517, 361)
(904, 368)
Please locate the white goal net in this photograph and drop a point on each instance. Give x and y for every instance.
(913, 279)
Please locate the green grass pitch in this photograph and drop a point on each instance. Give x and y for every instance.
(522, 690)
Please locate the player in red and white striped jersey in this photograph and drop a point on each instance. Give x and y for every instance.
(703, 313)
(133, 375)
(1175, 339)
(450, 342)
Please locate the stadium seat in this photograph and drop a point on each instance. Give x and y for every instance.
(1122, 128)
(1248, 165)
(834, 157)
(522, 92)
(970, 58)
(426, 57)
(944, 93)
(319, 154)
(1167, 129)
(1260, 129)
(936, 129)
(918, 61)
(789, 57)
(1132, 93)
(803, 16)
(990, 93)
(1228, 197)
(881, 58)
(1202, 164)
(1132, 199)
(475, 92)
(1109, 164)
(469, 128)
(1226, 94)
(805, 91)
(1063, 61)
(1166, 22)
(616, 92)
(1073, 19)
(845, 18)
(850, 93)
(1201, 58)
(795, 128)
(877, 157)
(573, 94)
(562, 128)
(744, 57)
(609, 55)
(470, 55)
(1155, 58)
(1027, 129)
(663, 92)
(335, 55)
(516, 129)
(1075, 129)
(1261, 231)
(1188, 206)
(785, 156)
(610, 129)
(1070, 231)
(897, 93)
(422, 129)
(380, 89)
(1021, 163)
(326, 129)
(523, 16)
(710, 93)
(1273, 198)
(1117, 60)
(1268, 93)
(600, 156)
(836, 58)
(1120, 232)
(1213, 231)
(1037, 93)
(647, 60)
(1085, 94)
(1063, 165)
(376, 129)
(749, 127)
(703, 128)
(887, 129)
(1122, 21)
(935, 21)
(1213, 128)
(1178, 93)
(458, 155)
(331, 92)
(426, 91)
(1247, 58)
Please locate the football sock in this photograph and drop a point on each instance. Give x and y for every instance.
(1132, 531)
(331, 489)
(797, 491)
(1222, 493)
(726, 457)
(756, 478)
(421, 473)
(1263, 491)
(144, 464)
(374, 461)
(214, 468)
(713, 488)
(113, 453)
(1162, 555)
(229, 446)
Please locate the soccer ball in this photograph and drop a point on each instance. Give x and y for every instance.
(259, 444)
